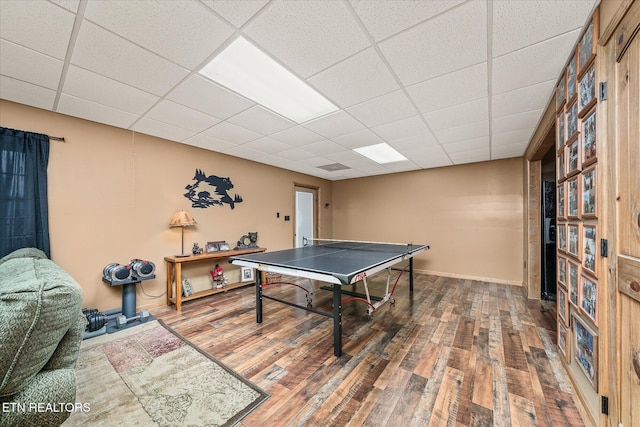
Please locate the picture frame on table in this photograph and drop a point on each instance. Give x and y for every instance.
(588, 186)
(563, 306)
(573, 197)
(562, 271)
(573, 157)
(211, 247)
(247, 274)
(561, 91)
(589, 298)
(572, 120)
(586, 350)
(564, 341)
(589, 250)
(587, 93)
(573, 285)
(571, 79)
(561, 137)
(187, 289)
(573, 239)
(561, 229)
(588, 134)
(561, 201)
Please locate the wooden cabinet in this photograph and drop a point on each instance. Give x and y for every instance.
(174, 266)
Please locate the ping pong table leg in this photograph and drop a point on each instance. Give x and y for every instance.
(337, 320)
(258, 296)
(411, 275)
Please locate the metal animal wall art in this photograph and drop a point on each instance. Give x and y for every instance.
(210, 190)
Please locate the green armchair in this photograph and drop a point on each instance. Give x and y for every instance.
(41, 329)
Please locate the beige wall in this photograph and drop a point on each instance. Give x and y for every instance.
(471, 216)
(112, 193)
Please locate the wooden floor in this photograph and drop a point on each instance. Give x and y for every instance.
(456, 353)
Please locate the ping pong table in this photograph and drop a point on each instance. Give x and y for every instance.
(338, 263)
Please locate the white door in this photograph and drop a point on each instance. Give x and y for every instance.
(305, 215)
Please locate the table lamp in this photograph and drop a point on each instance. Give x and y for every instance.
(182, 219)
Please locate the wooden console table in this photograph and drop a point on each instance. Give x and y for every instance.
(174, 266)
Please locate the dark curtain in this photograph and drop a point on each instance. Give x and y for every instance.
(24, 213)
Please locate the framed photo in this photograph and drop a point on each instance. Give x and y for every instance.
(247, 274)
(560, 93)
(572, 197)
(563, 306)
(586, 351)
(562, 271)
(211, 247)
(589, 139)
(187, 290)
(562, 132)
(589, 250)
(564, 341)
(574, 282)
(572, 120)
(587, 47)
(587, 90)
(560, 211)
(589, 193)
(573, 239)
(573, 157)
(561, 167)
(571, 79)
(561, 229)
(589, 298)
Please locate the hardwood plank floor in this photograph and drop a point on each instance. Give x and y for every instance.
(455, 353)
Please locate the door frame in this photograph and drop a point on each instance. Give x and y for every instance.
(316, 211)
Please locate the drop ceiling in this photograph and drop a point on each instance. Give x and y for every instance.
(443, 82)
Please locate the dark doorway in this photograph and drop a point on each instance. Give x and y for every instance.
(548, 237)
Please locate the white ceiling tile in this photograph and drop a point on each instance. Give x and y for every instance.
(466, 131)
(295, 154)
(401, 129)
(433, 162)
(261, 120)
(385, 18)
(178, 115)
(245, 152)
(527, 98)
(526, 120)
(507, 151)
(230, 132)
(307, 36)
(471, 156)
(161, 130)
(88, 110)
(268, 145)
(105, 53)
(431, 49)
(30, 66)
(142, 23)
(26, 93)
(451, 89)
(521, 23)
(38, 25)
(208, 97)
(70, 5)
(429, 157)
(343, 156)
(470, 112)
(467, 145)
(238, 12)
(358, 139)
(96, 88)
(356, 79)
(324, 147)
(335, 124)
(297, 136)
(514, 137)
(384, 109)
(412, 142)
(209, 143)
(535, 64)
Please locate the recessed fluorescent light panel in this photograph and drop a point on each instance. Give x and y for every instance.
(247, 70)
(381, 153)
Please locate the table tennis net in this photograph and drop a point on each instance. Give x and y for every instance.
(360, 245)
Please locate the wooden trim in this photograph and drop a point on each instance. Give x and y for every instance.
(615, 21)
(534, 229)
(545, 134)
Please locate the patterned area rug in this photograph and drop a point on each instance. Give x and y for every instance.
(150, 375)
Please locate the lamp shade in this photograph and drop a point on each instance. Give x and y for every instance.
(182, 218)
